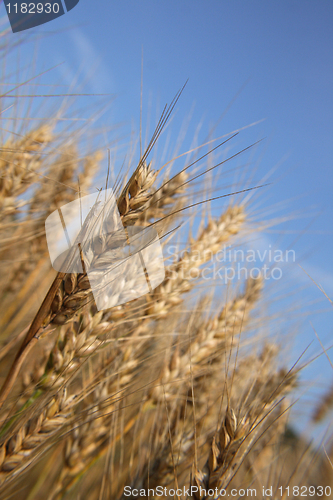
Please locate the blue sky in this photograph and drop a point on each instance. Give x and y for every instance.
(245, 60)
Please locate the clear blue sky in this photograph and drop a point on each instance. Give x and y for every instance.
(275, 57)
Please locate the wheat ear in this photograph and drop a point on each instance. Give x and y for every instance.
(226, 226)
(19, 162)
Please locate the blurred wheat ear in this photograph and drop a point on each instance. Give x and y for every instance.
(172, 389)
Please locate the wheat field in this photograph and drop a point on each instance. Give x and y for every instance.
(174, 390)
